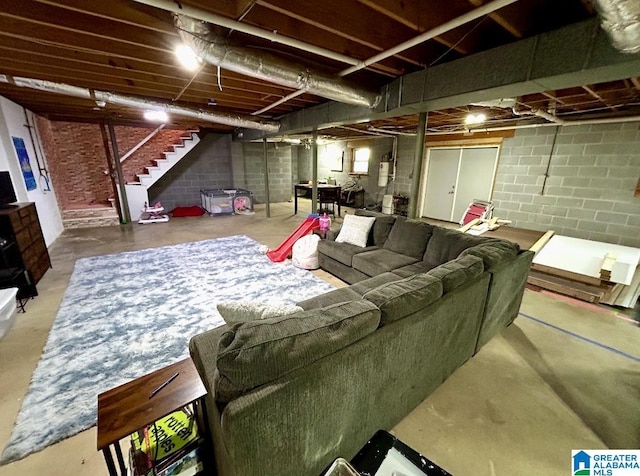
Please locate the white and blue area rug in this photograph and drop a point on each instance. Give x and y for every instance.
(128, 314)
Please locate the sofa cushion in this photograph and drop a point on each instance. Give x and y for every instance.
(404, 297)
(415, 268)
(254, 353)
(378, 261)
(381, 227)
(332, 297)
(341, 252)
(457, 272)
(243, 311)
(447, 244)
(355, 230)
(409, 237)
(367, 285)
(493, 252)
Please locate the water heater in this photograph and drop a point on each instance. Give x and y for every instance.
(383, 174)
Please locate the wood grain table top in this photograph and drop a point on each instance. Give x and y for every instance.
(128, 408)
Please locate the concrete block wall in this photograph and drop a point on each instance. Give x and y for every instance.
(589, 191)
(280, 176)
(380, 147)
(207, 166)
(404, 167)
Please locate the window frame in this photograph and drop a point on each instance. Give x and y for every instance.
(353, 161)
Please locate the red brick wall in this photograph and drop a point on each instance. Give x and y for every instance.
(77, 160)
(129, 137)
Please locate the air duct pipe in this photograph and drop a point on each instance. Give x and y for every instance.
(218, 52)
(233, 120)
(621, 20)
(539, 113)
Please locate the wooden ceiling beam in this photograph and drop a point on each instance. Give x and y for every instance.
(76, 23)
(500, 19)
(228, 8)
(77, 42)
(410, 14)
(598, 97)
(196, 101)
(16, 47)
(392, 67)
(352, 22)
(205, 83)
(127, 13)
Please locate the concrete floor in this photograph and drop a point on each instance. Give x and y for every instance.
(516, 408)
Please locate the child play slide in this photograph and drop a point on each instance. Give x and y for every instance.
(282, 252)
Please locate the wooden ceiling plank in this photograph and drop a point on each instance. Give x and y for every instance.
(228, 8)
(76, 23)
(75, 42)
(409, 13)
(500, 20)
(353, 23)
(45, 64)
(598, 97)
(128, 13)
(293, 28)
(141, 64)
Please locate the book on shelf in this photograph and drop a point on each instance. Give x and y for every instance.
(163, 443)
(189, 461)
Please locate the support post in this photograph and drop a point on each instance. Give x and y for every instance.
(266, 179)
(116, 157)
(314, 171)
(417, 167)
(112, 173)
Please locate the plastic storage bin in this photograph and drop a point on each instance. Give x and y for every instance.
(8, 309)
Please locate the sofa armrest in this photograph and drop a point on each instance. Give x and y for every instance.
(204, 352)
(332, 234)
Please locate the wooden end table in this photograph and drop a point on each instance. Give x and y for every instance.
(126, 409)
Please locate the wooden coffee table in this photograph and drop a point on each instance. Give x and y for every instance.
(128, 408)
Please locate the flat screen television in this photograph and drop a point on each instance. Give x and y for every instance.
(7, 192)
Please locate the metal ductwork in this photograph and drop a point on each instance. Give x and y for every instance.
(218, 52)
(233, 120)
(621, 20)
(539, 113)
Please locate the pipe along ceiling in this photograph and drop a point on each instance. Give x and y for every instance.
(234, 120)
(219, 52)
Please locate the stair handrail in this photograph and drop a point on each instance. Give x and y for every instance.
(142, 142)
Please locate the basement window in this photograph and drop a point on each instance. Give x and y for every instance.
(360, 161)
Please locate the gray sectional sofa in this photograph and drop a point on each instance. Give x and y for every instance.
(289, 394)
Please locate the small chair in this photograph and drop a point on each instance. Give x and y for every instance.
(327, 199)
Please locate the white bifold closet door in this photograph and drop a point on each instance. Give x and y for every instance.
(454, 178)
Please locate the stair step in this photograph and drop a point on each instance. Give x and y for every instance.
(90, 222)
(172, 155)
(94, 212)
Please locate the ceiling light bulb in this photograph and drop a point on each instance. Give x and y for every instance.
(156, 116)
(475, 118)
(187, 57)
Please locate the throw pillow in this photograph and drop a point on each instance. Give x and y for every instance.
(409, 237)
(355, 230)
(242, 311)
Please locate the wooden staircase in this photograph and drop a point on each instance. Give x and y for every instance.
(137, 192)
